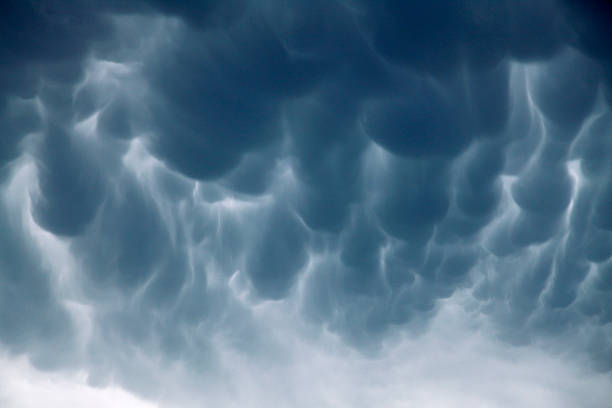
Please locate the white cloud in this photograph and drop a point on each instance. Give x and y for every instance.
(22, 386)
(450, 365)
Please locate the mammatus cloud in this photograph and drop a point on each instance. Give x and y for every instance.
(278, 203)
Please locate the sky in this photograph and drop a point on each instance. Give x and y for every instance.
(288, 203)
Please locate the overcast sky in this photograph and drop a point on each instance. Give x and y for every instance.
(291, 203)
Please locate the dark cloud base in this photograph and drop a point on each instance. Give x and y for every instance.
(368, 158)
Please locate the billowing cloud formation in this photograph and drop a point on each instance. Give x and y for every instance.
(168, 171)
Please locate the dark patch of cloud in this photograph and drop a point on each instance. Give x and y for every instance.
(422, 122)
(278, 254)
(70, 188)
(436, 36)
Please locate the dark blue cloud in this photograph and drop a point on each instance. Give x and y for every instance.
(70, 187)
(278, 254)
(363, 160)
(422, 122)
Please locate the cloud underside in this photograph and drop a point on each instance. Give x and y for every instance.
(230, 190)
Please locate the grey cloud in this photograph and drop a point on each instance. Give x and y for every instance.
(565, 90)
(277, 254)
(70, 187)
(422, 122)
(32, 319)
(368, 159)
(19, 117)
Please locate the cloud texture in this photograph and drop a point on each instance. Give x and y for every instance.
(223, 192)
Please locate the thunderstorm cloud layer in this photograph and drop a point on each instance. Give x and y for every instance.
(331, 203)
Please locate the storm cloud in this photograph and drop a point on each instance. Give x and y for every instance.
(211, 202)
